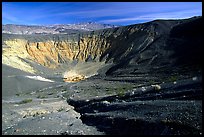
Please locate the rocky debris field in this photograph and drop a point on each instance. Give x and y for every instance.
(97, 107)
(29, 115)
(173, 108)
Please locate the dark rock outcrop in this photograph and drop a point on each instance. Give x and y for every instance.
(165, 109)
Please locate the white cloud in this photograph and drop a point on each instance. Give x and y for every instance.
(10, 18)
(167, 15)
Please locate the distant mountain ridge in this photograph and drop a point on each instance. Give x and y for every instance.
(54, 29)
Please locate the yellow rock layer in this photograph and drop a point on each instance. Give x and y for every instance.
(11, 56)
(52, 53)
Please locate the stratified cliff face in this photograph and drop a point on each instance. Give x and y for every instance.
(129, 49)
(51, 53)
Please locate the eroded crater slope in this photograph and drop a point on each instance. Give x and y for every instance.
(133, 49)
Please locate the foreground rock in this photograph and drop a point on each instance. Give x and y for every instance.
(165, 109)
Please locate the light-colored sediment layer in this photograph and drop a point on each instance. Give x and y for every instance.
(82, 71)
(12, 55)
(50, 54)
(72, 76)
(53, 53)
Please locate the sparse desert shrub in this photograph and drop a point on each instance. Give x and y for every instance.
(17, 94)
(173, 78)
(41, 96)
(25, 101)
(152, 82)
(60, 109)
(121, 91)
(109, 90)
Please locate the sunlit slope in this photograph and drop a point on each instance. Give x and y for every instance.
(13, 54)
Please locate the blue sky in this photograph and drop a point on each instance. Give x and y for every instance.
(118, 13)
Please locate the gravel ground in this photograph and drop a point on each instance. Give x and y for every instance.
(98, 106)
